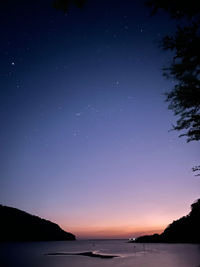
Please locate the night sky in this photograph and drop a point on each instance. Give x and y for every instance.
(84, 134)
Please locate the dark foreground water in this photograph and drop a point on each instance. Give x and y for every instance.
(35, 254)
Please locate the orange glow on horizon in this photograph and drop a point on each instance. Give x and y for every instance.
(114, 223)
(113, 232)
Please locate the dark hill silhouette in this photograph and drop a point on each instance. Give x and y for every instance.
(184, 230)
(17, 225)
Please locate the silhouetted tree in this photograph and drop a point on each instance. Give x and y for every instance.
(176, 8)
(184, 69)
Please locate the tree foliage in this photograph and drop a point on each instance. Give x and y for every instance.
(176, 8)
(184, 69)
(184, 98)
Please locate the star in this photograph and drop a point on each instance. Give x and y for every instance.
(13, 63)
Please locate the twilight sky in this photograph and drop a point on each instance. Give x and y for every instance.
(84, 134)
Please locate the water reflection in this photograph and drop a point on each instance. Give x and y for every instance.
(131, 255)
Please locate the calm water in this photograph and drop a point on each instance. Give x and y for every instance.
(133, 255)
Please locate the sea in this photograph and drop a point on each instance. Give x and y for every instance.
(65, 254)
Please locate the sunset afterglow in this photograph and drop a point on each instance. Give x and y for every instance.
(85, 129)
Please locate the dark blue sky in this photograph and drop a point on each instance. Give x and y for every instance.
(84, 128)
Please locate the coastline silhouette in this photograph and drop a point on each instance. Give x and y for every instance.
(184, 230)
(17, 225)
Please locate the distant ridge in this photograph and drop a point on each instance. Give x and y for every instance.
(184, 230)
(17, 225)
